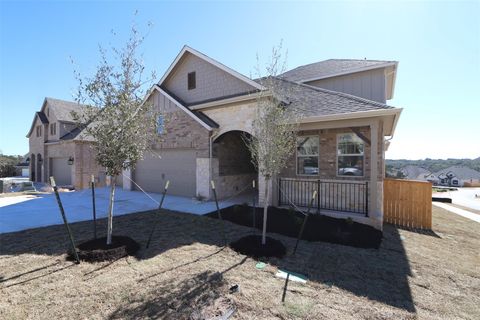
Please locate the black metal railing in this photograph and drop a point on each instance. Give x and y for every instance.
(335, 195)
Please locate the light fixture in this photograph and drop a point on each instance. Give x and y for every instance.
(70, 161)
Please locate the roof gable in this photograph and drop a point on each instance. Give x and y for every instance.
(38, 115)
(62, 109)
(213, 79)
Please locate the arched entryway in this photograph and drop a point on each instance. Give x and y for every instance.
(233, 169)
(33, 163)
(39, 168)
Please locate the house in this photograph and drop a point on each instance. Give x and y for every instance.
(208, 108)
(56, 149)
(413, 172)
(459, 176)
(23, 166)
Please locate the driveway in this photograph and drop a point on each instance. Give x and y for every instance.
(32, 211)
(463, 196)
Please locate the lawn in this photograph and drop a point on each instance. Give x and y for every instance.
(186, 274)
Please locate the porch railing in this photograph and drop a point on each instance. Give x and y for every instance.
(334, 195)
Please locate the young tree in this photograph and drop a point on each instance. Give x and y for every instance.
(116, 118)
(274, 126)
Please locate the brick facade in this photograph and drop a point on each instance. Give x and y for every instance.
(328, 156)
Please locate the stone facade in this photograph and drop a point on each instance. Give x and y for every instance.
(180, 129)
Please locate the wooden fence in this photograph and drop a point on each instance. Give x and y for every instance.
(408, 203)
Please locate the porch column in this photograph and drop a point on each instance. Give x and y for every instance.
(207, 169)
(375, 211)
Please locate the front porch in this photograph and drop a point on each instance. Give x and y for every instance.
(343, 161)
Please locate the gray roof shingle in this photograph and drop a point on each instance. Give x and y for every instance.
(313, 101)
(324, 69)
(63, 109)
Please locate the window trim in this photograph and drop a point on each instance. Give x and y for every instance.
(53, 129)
(162, 126)
(350, 154)
(318, 156)
(194, 75)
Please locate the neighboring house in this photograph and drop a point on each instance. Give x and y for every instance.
(208, 108)
(23, 167)
(431, 177)
(55, 148)
(412, 172)
(458, 176)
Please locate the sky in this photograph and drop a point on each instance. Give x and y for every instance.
(437, 44)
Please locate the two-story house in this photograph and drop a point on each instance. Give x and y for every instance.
(56, 149)
(345, 129)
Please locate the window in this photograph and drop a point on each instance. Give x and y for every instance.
(307, 155)
(160, 125)
(53, 129)
(350, 155)
(192, 81)
(39, 131)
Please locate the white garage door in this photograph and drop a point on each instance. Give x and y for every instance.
(178, 166)
(61, 171)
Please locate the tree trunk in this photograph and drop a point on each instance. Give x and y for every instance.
(265, 210)
(110, 210)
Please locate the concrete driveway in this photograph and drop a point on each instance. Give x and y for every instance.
(28, 211)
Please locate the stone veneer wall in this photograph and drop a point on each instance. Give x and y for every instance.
(85, 166)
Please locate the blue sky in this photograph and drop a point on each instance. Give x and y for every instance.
(436, 43)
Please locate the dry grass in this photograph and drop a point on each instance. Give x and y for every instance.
(186, 273)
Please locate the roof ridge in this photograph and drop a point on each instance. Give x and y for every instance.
(337, 93)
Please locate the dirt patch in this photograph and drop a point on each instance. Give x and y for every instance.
(318, 228)
(188, 271)
(97, 250)
(252, 247)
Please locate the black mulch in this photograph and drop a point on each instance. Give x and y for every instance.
(318, 228)
(97, 250)
(252, 246)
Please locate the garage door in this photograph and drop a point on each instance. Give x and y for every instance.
(61, 171)
(178, 166)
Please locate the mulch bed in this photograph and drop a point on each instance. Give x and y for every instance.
(318, 228)
(97, 250)
(252, 246)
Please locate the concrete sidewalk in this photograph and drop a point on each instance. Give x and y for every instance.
(460, 212)
(27, 211)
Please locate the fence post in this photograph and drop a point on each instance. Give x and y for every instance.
(319, 193)
(305, 221)
(254, 209)
(64, 217)
(218, 211)
(159, 207)
(366, 199)
(280, 202)
(92, 184)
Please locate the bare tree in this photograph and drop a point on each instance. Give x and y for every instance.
(116, 118)
(274, 126)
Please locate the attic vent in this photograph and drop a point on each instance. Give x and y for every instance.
(192, 81)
